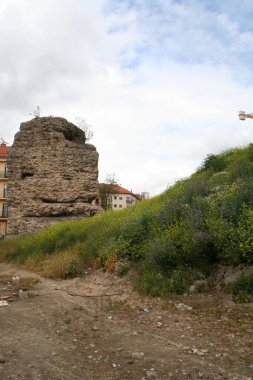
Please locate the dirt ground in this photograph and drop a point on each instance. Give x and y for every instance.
(97, 327)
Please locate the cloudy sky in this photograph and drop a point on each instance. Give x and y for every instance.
(160, 81)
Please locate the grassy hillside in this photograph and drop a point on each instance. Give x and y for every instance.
(171, 239)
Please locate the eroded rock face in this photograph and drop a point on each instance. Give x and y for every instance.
(53, 174)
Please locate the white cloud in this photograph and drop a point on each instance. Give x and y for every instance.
(161, 86)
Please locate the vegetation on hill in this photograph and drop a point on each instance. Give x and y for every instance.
(171, 239)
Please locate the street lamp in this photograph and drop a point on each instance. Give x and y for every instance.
(243, 115)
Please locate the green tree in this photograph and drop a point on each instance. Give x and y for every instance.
(106, 190)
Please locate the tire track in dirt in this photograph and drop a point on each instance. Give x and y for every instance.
(54, 335)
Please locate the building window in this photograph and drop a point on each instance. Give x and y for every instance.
(120, 206)
(115, 197)
(114, 205)
(5, 210)
(120, 198)
(5, 191)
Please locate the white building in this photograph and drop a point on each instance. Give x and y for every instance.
(121, 198)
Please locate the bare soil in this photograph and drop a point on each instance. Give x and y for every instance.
(97, 327)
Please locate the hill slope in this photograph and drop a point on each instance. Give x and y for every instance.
(172, 239)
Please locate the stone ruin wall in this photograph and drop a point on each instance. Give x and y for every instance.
(53, 175)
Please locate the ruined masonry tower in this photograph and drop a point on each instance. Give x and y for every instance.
(53, 175)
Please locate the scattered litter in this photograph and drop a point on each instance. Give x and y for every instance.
(4, 303)
(114, 365)
(7, 298)
(15, 278)
(151, 374)
(136, 355)
(198, 352)
(182, 306)
(147, 309)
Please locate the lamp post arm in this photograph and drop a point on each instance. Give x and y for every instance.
(243, 115)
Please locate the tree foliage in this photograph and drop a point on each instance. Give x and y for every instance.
(82, 124)
(106, 191)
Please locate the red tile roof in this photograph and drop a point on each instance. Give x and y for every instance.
(116, 189)
(120, 190)
(4, 151)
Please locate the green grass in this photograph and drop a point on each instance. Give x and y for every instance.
(171, 239)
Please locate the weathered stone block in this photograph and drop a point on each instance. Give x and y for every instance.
(53, 174)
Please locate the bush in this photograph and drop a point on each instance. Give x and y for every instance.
(164, 255)
(74, 269)
(243, 288)
(122, 267)
(214, 163)
(110, 249)
(190, 203)
(180, 280)
(250, 152)
(197, 213)
(155, 283)
(182, 245)
(110, 263)
(114, 247)
(245, 232)
(241, 169)
(152, 282)
(195, 188)
(171, 212)
(225, 241)
(133, 234)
